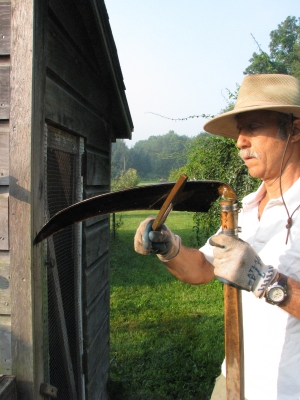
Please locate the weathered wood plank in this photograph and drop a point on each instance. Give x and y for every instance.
(5, 345)
(5, 308)
(8, 388)
(22, 23)
(38, 88)
(94, 16)
(67, 13)
(4, 153)
(97, 168)
(96, 386)
(68, 64)
(96, 242)
(4, 92)
(95, 278)
(4, 239)
(5, 27)
(94, 316)
(94, 354)
(68, 112)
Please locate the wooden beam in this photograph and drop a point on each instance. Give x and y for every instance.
(8, 388)
(5, 307)
(4, 92)
(4, 28)
(20, 188)
(4, 243)
(37, 190)
(5, 345)
(4, 153)
(27, 81)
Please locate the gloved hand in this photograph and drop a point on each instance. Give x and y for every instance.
(237, 264)
(163, 242)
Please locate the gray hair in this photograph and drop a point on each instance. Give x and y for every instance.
(284, 124)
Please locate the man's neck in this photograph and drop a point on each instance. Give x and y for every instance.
(288, 178)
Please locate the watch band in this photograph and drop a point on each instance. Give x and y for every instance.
(276, 292)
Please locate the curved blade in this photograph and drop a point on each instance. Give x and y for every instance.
(196, 196)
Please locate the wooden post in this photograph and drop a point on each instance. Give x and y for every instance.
(27, 81)
(233, 319)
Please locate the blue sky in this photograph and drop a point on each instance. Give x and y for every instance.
(179, 57)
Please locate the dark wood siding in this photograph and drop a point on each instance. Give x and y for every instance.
(79, 96)
(59, 65)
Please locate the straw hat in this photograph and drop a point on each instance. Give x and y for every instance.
(259, 92)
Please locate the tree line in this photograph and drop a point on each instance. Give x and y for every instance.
(153, 159)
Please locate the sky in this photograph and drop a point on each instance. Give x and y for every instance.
(179, 58)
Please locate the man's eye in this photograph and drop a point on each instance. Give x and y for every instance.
(248, 128)
(252, 127)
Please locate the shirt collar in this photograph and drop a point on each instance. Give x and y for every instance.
(291, 197)
(253, 199)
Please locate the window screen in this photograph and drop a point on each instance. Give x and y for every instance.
(63, 188)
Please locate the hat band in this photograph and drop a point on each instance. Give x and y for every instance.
(260, 103)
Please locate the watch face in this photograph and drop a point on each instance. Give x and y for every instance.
(276, 294)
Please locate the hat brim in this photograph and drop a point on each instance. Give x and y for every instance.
(226, 125)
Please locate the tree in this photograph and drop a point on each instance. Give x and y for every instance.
(119, 158)
(141, 161)
(126, 180)
(283, 42)
(226, 166)
(284, 57)
(155, 157)
(296, 62)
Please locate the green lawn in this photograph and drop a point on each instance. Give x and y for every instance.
(166, 336)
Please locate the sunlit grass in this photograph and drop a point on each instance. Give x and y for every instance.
(166, 336)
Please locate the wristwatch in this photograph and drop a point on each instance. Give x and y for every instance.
(276, 293)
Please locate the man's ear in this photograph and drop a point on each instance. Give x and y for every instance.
(296, 130)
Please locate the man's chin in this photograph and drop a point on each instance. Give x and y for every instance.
(254, 173)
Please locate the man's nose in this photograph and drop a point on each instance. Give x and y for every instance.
(242, 141)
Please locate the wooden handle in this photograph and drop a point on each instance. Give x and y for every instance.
(234, 346)
(233, 319)
(169, 202)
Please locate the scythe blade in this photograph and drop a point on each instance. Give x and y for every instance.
(197, 196)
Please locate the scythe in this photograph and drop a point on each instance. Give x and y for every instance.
(194, 196)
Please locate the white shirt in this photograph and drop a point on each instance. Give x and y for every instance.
(271, 335)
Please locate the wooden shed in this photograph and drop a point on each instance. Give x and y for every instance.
(62, 103)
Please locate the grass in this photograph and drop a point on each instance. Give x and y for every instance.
(166, 336)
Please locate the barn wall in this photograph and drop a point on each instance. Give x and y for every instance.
(79, 99)
(5, 292)
(58, 63)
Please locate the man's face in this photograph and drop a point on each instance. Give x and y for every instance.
(259, 144)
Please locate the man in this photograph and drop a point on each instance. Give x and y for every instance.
(266, 262)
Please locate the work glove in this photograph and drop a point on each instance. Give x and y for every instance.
(237, 264)
(163, 242)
